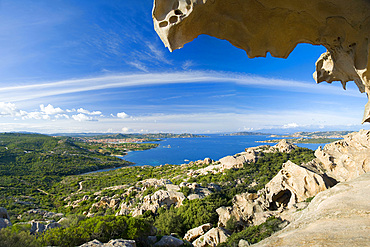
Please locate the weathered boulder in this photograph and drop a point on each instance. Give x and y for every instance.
(212, 238)
(199, 193)
(346, 159)
(4, 218)
(40, 227)
(243, 243)
(284, 146)
(196, 232)
(169, 241)
(111, 243)
(339, 216)
(162, 198)
(261, 26)
(238, 160)
(293, 184)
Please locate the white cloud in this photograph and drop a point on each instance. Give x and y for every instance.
(81, 117)
(125, 129)
(122, 115)
(51, 110)
(84, 111)
(10, 110)
(59, 116)
(187, 64)
(36, 115)
(139, 66)
(33, 91)
(290, 125)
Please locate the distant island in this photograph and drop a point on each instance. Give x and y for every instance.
(146, 137)
(317, 134)
(120, 144)
(310, 137)
(247, 134)
(303, 140)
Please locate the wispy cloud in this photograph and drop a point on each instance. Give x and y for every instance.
(45, 89)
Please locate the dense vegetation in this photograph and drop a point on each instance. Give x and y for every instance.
(38, 171)
(31, 164)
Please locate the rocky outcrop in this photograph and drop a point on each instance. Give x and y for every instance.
(293, 184)
(197, 232)
(212, 238)
(4, 218)
(261, 26)
(238, 160)
(339, 216)
(169, 241)
(40, 227)
(162, 198)
(111, 243)
(346, 159)
(284, 147)
(153, 182)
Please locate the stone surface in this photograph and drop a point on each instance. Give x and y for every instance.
(243, 243)
(339, 216)
(284, 146)
(169, 241)
(196, 232)
(111, 243)
(284, 193)
(40, 227)
(4, 218)
(346, 159)
(212, 238)
(293, 184)
(261, 26)
(162, 198)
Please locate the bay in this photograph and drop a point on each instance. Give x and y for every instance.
(177, 151)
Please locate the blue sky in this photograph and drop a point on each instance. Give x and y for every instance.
(98, 66)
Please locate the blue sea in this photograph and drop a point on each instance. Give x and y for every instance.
(178, 151)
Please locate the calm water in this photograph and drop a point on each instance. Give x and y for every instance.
(183, 150)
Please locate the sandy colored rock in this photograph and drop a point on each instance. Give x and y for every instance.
(346, 159)
(196, 232)
(111, 243)
(162, 198)
(293, 184)
(261, 26)
(339, 216)
(284, 146)
(169, 241)
(212, 238)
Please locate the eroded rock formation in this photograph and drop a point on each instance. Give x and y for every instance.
(194, 233)
(212, 238)
(346, 159)
(339, 216)
(261, 26)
